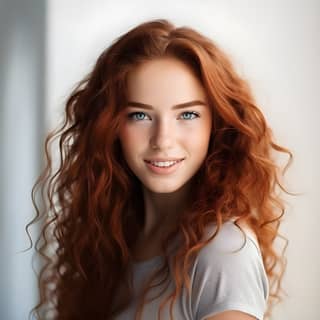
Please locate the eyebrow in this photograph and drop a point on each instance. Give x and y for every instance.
(177, 106)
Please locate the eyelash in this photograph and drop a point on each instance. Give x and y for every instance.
(130, 115)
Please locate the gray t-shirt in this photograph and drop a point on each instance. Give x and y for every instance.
(220, 280)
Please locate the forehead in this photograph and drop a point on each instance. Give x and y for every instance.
(164, 81)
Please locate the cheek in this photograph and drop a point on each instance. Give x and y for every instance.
(131, 138)
(198, 137)
(127, 144)
(197, 143)
(124, 134)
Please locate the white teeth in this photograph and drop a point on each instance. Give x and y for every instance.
(164, 164)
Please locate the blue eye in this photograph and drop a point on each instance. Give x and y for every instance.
(190, 115)
(137, 116)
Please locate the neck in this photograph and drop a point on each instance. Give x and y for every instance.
(163, 210)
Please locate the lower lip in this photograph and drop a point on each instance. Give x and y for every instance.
(163, 170)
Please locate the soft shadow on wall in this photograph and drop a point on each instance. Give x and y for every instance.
(22, 99)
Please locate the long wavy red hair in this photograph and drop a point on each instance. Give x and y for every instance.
(92, 204)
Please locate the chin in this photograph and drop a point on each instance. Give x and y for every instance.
(158, 187)
(161, 190)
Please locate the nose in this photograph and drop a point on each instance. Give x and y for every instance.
(162, 135)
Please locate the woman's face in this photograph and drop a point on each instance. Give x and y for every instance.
(155, 127)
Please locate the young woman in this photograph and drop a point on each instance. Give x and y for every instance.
(164, 204)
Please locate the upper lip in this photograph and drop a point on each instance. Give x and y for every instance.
(163, 160)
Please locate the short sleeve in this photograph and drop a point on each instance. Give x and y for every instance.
(229, 275)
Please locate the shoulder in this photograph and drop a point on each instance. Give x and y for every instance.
(228, 274)
(232, 250)
(230, 243)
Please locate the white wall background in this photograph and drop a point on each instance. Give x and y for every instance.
(274, 44)
(22, 87)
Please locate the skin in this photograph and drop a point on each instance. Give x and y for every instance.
(177, 133)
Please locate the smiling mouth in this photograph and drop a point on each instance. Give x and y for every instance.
(164, 164)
